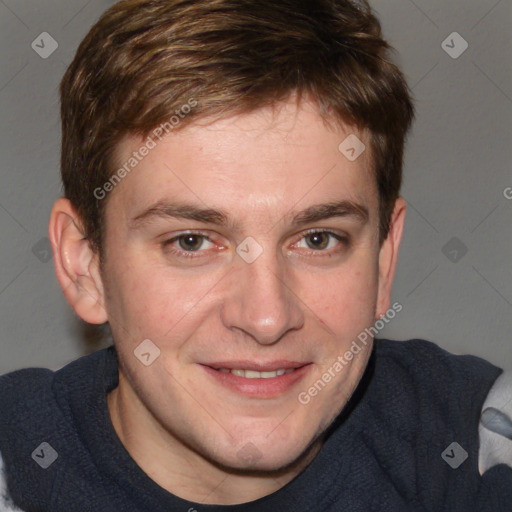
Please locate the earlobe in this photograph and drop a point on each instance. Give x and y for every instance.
(76, 264)
(388, 257)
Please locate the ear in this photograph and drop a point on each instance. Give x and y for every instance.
(388, 257)
(76, 264)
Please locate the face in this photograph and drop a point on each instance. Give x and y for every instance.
(247, 252)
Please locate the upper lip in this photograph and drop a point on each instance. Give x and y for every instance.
(257, 367)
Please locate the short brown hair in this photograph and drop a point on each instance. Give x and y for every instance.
(144, 59)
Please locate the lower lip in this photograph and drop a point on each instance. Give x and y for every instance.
(259, 388)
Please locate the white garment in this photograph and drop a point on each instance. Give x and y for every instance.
(6, 504)
(495, 429)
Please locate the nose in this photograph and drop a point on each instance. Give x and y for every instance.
(260, 302)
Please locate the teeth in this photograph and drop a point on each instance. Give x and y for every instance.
(252, 374)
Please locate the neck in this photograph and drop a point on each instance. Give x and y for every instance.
(179, 469)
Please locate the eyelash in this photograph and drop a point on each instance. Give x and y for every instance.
(343, 239)
(186, 254)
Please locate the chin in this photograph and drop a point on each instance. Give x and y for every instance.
(266, 454)
(261, 463)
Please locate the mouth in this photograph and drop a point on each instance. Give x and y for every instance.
(258, 381)
(253, 374)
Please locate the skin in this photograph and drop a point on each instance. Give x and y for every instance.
(305, 298)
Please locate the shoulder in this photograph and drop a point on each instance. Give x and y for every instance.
(39, 406)
(24, 380)
(21, 392)
(31, 398)
(28, 390)
(479, 391)
(437, 371)
(437, 386)
(25, 396)
(429, 392)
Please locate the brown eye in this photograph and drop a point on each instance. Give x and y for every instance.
(323, 242)
(191, 242)
(318, 241)
(189, 245)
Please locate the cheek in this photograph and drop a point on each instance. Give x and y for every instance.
(149, 301)
(345, 300)
(139, 300)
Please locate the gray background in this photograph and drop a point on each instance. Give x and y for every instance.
(457, 170)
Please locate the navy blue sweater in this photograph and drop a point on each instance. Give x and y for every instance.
(383, 453)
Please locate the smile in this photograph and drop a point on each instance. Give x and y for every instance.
(258, 381)
(253, 374)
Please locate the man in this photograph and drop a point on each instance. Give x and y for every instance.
(232, 172)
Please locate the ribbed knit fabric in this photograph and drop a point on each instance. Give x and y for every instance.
(383, 453)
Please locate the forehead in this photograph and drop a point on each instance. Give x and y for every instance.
(258, 163)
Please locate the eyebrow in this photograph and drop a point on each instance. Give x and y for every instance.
(325, 211)
(315, 213)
